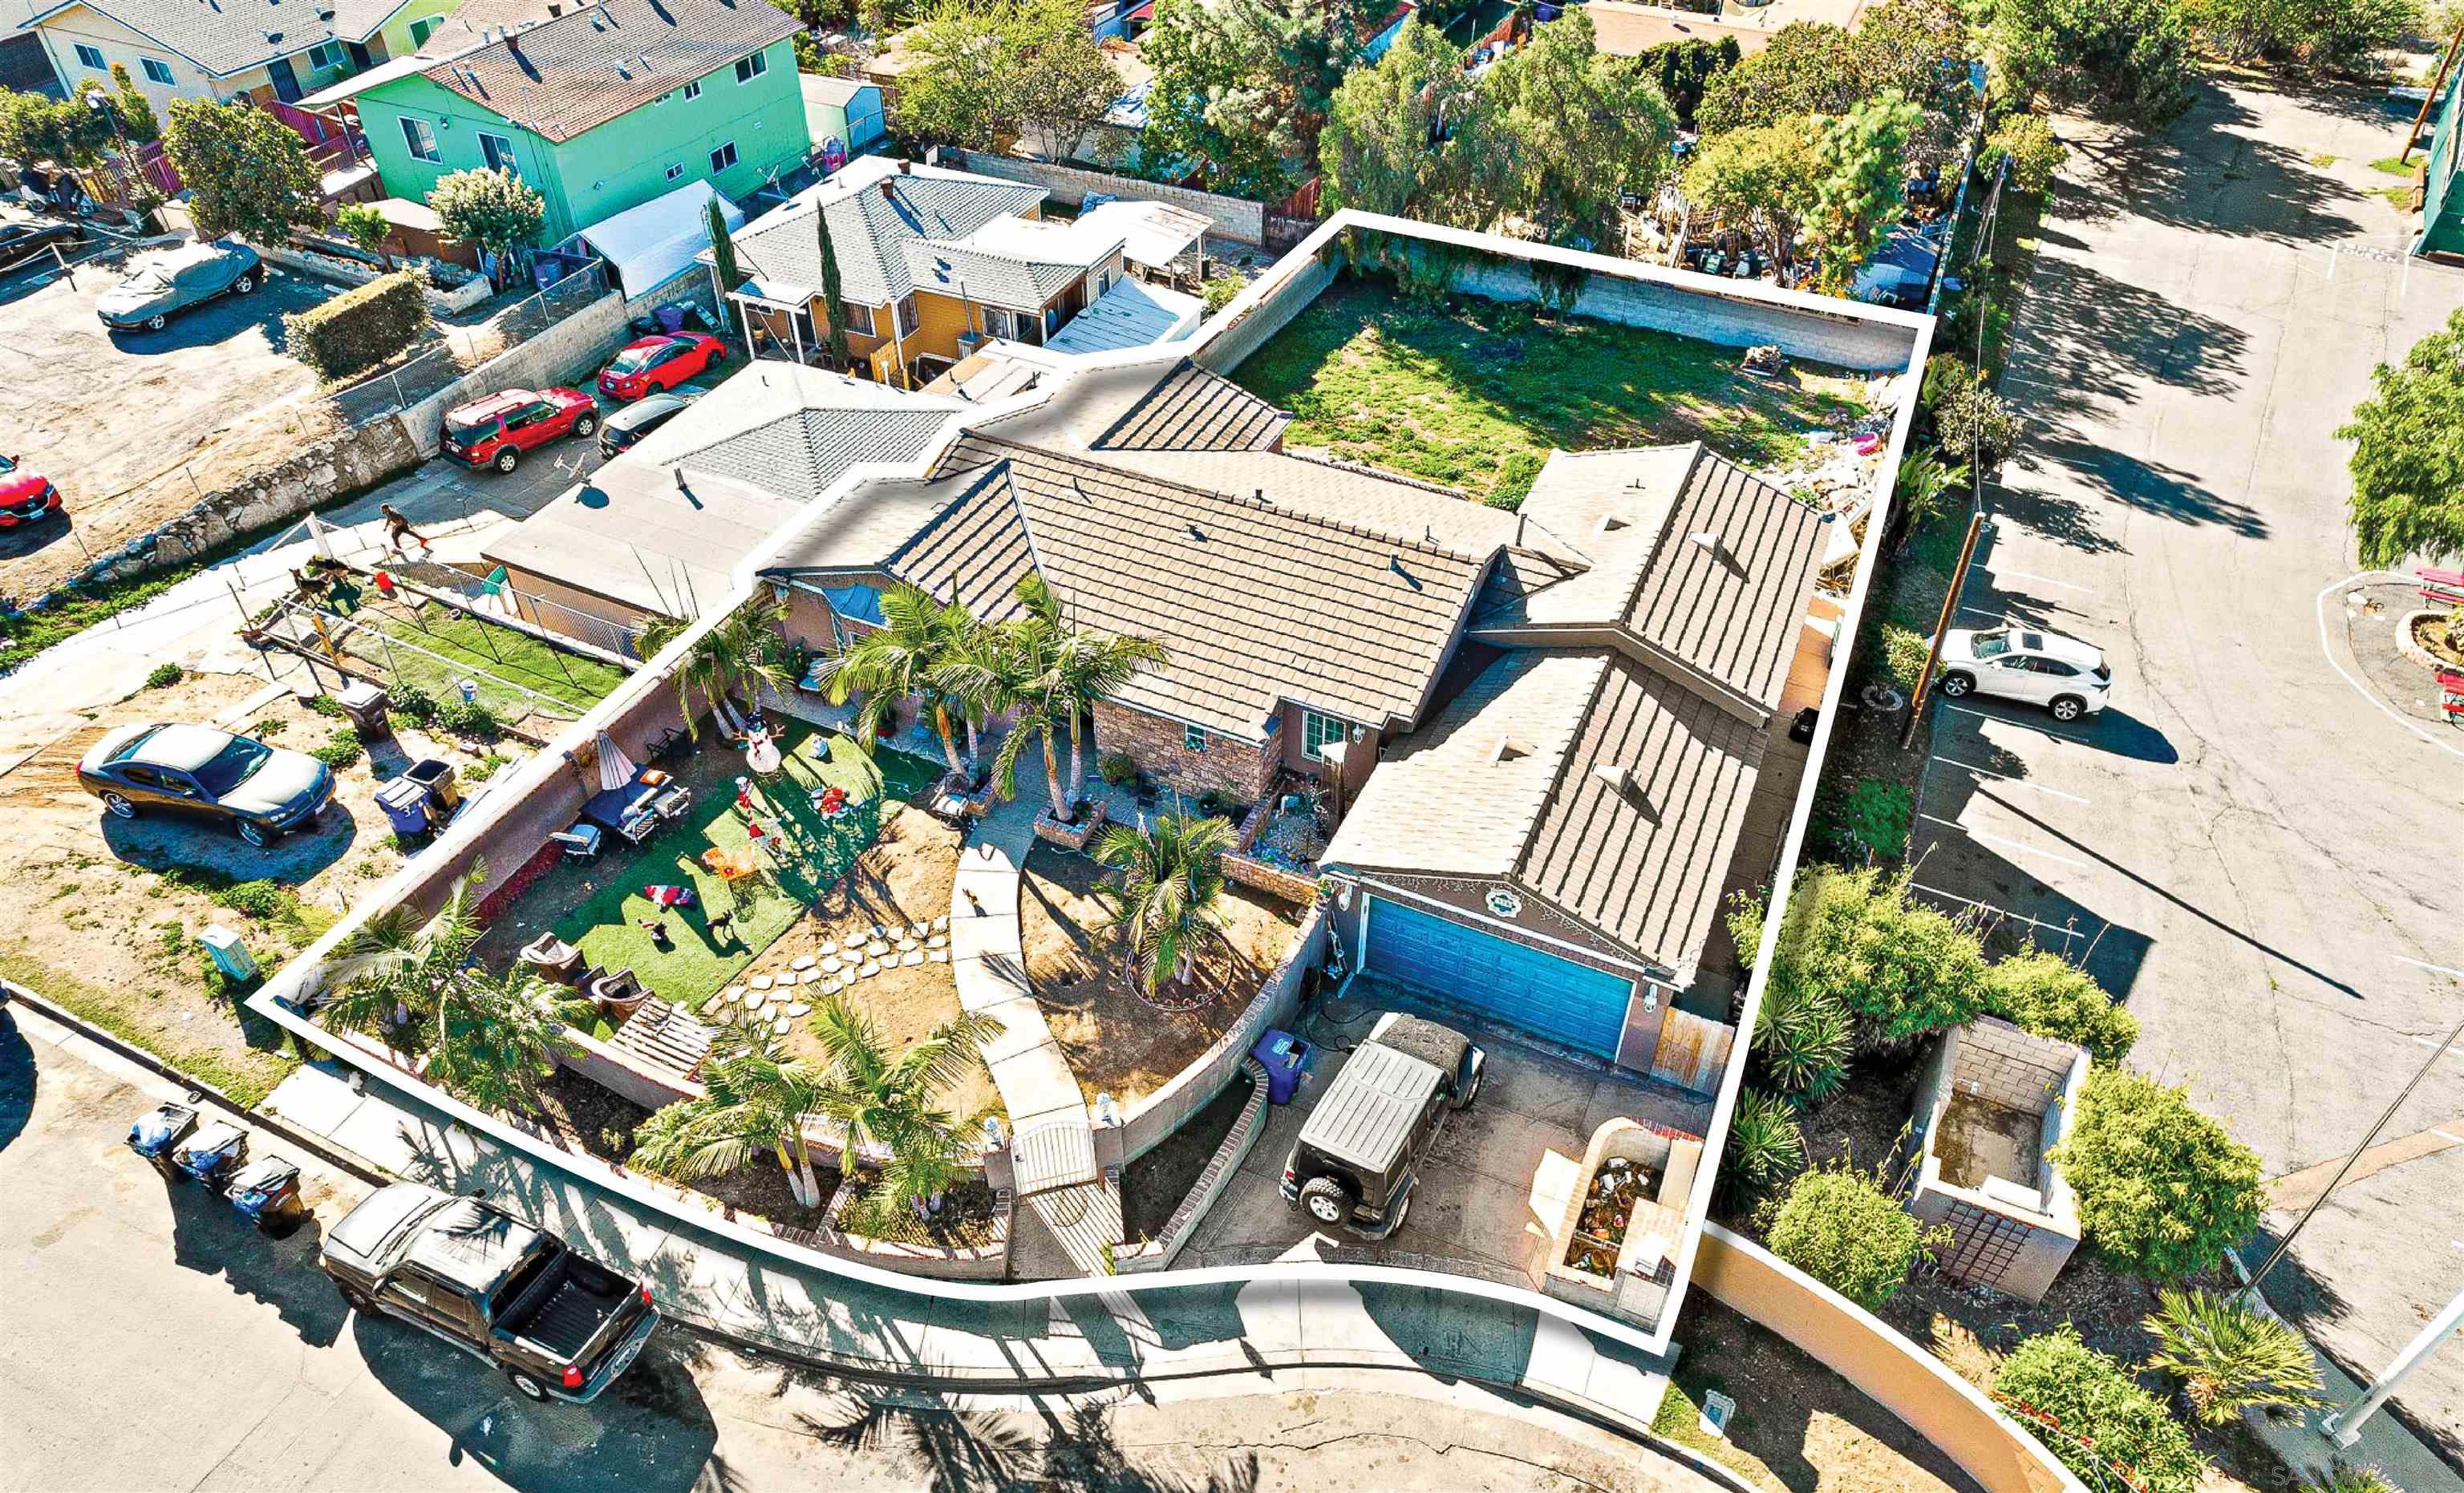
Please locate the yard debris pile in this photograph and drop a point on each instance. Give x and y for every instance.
(1608, 1208)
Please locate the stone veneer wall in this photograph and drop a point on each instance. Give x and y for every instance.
(1227, 765)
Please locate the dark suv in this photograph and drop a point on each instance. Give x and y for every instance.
(1353, 1167)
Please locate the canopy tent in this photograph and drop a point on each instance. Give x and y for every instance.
(645, 245)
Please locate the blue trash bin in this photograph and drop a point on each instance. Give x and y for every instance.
(405, 802)
(1284, 1056)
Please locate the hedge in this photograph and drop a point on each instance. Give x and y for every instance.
(360, 328)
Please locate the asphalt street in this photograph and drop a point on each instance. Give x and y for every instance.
(2249, 846)
(151, 1339)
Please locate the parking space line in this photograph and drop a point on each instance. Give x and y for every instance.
(2045, 731)
(2444, 1052)
(1979, 611)
(2006, 778)
(2453, 1140)
(2064, 928)
(2016, 845)
(2434, 969)
(2043, 580)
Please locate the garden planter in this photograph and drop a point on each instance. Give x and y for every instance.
(1075, 836)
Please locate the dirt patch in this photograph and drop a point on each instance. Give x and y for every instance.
(1094, 997)
(2441, 636)
(1157, 1183)
(588, 1118)
(963, 1222)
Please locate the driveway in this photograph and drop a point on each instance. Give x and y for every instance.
(2253, 846)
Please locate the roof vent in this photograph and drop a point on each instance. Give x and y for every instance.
(1616, 775)
(272, 36)
(598, 21)
(1198, 534)
(681, 477)
(1611, 523)
(1710, 540)
(554, 10)
(1510, 749)
(622, 71)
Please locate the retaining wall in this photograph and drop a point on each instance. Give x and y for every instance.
(1896, 1374)
(1707, 315)
(559, 355)
(344, 271)
(1158, 1253)
(1234, 217)
(1277, 304)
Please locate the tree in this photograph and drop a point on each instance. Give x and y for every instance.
(1065, 84)
(1807, 68)
(886, 1104)
(1024, 676)
(959, 87)
(136, 111)
(2162, 1190)
(2230, 1357)
(737, 655)
(1765, 1148)
(364, 225)
(833, 298)
(722, 248)
(1090, 667)
(65, 133)
(817, 15)
(2041, 992)
(1385, 146)
(1921, 49)
(1560, 131)
(495, 210)
(1242, 87)
(1974, 422)
(1762, 181)
(2408, 461)
(1163, 903)
(2317, 35)
(1900, 969)
(756, 1098)
(246, 173)
(1684, 69)
(2126, 58)
(1839, 1226)
(2027, 143)
(2100, 1420)
(1861, 185)
(911, 655)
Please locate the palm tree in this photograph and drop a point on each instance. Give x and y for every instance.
(2230, 1357)
(1172, 876)
(1086, 667)
(738, 654)
(910, 654)
(888, 1104)
(754, 1098)
(1029, 683)
(387, 973)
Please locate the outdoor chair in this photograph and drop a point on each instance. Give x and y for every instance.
(553, 957)
(581, 843)
(618, 996)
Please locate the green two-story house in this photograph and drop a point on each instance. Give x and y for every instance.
(600, 107)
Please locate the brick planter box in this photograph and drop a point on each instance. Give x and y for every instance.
(951, 796)
(989, 1263)
(1275, 881)
(1075, 837)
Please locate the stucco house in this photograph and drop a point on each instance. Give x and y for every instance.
(228, 49)
(600, 107)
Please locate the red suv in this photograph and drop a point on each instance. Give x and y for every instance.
(25, 496)
(494, 431)
(659, 363)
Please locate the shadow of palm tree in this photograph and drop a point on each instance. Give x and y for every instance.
(973, 1452)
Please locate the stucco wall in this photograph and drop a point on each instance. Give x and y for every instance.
(1707, 314)
(130, 48)
(1277, 304)
(1904, 1379)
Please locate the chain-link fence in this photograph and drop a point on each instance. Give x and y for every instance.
(459, 349)
(453, 656)
(497, 597)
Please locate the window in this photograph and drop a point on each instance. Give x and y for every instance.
(907, 319)
(675, 171)
(693, 90)
(860, 319)
(420, 140)
(320, 57)
(92, 56)
(747, 69)
(423, 29)
(1193, 738)
(157, 70)
(1320, 731)
(498, 152)
(723, 156)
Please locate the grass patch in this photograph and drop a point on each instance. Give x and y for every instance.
(1474, 394)
(25, 634)
(2400, 198)
(246, 1078)
(2322, 162)
(463, 643)
(2393, 167)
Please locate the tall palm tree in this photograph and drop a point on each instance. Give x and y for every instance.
(739, 654)
(754, 1098)
(910, 654)
(1031, 684)
(1171, 879)
(888, 1104)
(1086, 667)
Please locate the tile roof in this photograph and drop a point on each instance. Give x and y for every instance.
(1609, 789)
(955, 268)
(226, 36)
(1194, 410)
(576, 72)
(1256, 602)
(869, 227)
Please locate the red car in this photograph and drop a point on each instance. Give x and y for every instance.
(659, 363)
(25, 496)
(494, 431)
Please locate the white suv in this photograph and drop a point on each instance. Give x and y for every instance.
(2064, 676)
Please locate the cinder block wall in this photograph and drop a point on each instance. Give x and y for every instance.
(2002, 1064)
(1225, 350)
(1731, 321)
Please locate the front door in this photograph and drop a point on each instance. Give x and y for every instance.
(286, 83)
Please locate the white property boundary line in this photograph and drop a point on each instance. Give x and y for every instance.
(299, 980)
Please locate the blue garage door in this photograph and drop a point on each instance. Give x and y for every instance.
(1558, 999)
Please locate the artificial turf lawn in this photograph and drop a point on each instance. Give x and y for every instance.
(605, 926)
(507, 654)
(1474, 394)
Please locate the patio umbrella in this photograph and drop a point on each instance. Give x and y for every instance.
(615, 768)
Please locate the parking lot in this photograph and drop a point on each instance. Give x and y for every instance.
(126, 421)
(2253, 846)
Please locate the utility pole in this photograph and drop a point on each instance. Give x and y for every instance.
(2345, 1426)
(1941, 627)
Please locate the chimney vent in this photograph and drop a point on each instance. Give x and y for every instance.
(1619, 777)
(1710, 540)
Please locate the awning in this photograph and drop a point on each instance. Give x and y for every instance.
(1151, 232)
(362, 81)
(1131, 314)
(647, 244)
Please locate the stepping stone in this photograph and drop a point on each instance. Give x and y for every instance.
(756, 1000)
(830, 946)
(878, 932)
(833, 986)
(735, 992)
(713, 1007)
(800, 1009)
(783, 1026)
(811, 977)
(875, 949)
(914, 958)
(914, 929)
(942, 923)
(937, 941)
(938, 956)
(870, 968)
(906, 944)
(762, 982)
(804, 962)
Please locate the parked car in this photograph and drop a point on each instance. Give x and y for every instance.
(163, 285)
(2064, 676)
(626, 426)
(651, 363)
(496, 430)
(1352, 1166)
(26, 496)
(20, 242)
(262, 791)
(508, 1294)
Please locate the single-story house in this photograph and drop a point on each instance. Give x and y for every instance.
(843, 109)
(226, 48)
(600, 107)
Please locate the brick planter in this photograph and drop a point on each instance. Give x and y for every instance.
(950, 797)
(1075, 837)
(1275, 881)
(989, 1263)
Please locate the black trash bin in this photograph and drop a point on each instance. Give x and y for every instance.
(160, 1131)
(266, 1192)
(436, 775)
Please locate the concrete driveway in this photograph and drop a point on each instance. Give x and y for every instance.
(2249, 846)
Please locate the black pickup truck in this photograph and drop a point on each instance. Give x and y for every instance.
(501, 1291)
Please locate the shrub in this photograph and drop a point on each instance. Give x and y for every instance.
(1904, 651)
(2351, 1477)
(1841, 1227)
(2229, 1357)
(2040, 991)
(2162, 1188)
(1804, 1039)
(1118, 768)
(1221, 291)
(409, 700)
(1765, 1148)
(1900, 968)
(469, 718)
(2026, 142)
(342, 751)
(257, 899)
(1870, 819)
(325, 705)
(2104, 1418)
(359, 328)
(165, 676)
(1976, 425)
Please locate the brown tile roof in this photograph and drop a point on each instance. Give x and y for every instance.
(576, 72)
(1194, 410)
(1256, 602)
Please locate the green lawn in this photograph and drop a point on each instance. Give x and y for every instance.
(509, 654)
(1474, 394)
(605, 925)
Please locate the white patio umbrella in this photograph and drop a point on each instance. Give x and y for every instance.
(615, 768)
